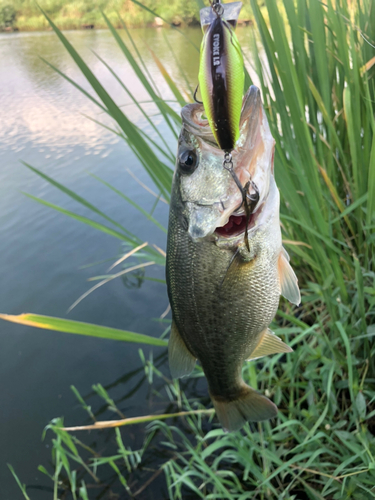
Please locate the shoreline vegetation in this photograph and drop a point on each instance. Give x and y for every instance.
(24, 15)
(319, 96)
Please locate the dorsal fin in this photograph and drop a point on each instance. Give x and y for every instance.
(288, 280)
(181, 361)
(269, 343)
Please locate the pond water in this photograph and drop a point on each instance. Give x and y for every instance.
(46, 257)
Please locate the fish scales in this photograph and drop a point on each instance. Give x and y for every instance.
(235, 311)
(223, 297)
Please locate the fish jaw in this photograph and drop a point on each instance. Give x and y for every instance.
(202, 220)
(264, 223)
(226, 228)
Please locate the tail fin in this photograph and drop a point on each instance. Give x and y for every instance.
(250, 405)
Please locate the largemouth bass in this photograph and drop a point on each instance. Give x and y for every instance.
(221, 79)
(223, 296)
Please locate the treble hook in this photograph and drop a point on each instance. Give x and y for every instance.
(253, 199)
(195, 95)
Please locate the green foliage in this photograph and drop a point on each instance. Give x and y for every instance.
(21, 486)
(79, 328)
(70, 14)
(7, 15)
(318, 91)
(315, 450)
(73, 14)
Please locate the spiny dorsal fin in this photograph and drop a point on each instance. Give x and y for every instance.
(288, 280)
(269, 344)
(181, 361)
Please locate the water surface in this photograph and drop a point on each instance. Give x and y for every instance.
(44, 256)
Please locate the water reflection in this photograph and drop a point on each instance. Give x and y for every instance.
(45, 256)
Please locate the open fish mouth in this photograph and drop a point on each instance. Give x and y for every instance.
(236, 224)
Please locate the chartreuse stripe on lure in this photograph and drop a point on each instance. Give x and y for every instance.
(221, 82)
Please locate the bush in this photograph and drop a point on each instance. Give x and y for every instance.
(8, 15)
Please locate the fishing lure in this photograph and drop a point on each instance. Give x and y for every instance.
(221, 77)
(221, 81)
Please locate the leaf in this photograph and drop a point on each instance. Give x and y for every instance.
(22, 486)
(154, 167)
(353, 139)
(85, 220)
(135, 420)
(77, 198)
(360, 403)
(133, 203)
(79, 328)
(161, 17)
(109, 278)
(348, 358)
(168, 79)
(371, 185)
(138, 104)
(164, 108)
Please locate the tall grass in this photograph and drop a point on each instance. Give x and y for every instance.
(317, 80)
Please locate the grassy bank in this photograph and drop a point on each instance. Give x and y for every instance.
(24, 15)
(319, 94)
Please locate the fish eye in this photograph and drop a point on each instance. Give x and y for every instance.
(188, 161)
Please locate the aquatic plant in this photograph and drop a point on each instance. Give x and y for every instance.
(317, 79)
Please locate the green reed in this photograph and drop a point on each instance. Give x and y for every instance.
(314, 61)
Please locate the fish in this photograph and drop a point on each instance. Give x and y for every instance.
(221, 81)
(223, 296)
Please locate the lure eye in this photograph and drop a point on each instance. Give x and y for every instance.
(188, 161)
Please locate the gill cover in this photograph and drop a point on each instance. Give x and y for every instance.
(221, 76)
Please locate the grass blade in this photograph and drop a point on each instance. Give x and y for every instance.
(77, 198)
(79, 328)
(22, 486)
(153, 165)
(97, 225)
(146, 116)
(164, 108)
(133, 203)
(107, 280)
(171, 25)
(136, 420)
(168, 79)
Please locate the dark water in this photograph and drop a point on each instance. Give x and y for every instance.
(43, 253)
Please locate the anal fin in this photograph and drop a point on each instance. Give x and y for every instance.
(269, 344)
(288, 280)
(181, 361)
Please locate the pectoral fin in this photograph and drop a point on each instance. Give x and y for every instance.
(288, 280)
(269, 344)
(181, 361)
